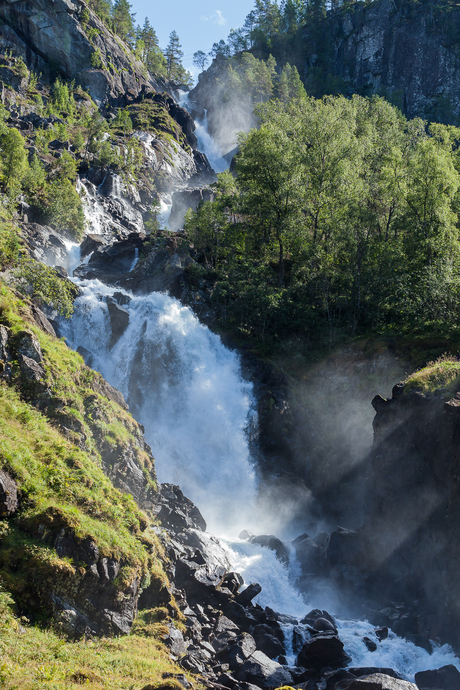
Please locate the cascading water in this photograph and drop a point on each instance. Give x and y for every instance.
(206, 143)
(186, 388)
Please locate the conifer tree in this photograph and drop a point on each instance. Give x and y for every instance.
(122, 20)
(173, 55)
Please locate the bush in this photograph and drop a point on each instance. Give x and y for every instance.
(44, 284)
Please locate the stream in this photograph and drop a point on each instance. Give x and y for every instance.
(186, 388)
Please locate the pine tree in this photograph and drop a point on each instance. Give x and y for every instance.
(122, 20)
(173, 55)
(148, 49)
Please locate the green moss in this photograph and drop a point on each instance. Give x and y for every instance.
(442, 375)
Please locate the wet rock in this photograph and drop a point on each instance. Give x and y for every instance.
(247, 595)
(381, 633)
(309, 554)
(370, 644)
(8, 495)
(119, 321)
(444, 678)
(91, 243)
(271, 542)
(322, 650)
(233, 581)
(263, 672)
(269, 643)
(319, 620)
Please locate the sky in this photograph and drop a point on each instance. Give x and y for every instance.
(198, 24)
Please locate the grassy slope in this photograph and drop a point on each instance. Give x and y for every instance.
(62, 485)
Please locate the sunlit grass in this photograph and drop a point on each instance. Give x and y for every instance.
(440, 375)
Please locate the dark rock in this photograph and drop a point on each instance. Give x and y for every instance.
(175, 511)
(247, 595)
(8, 495)
(371, 670)
(5, 356)
(322, 650)
(119, 321)
(90, 243)
(381, 633)
(121, 298)
(175, 641)
(370, 644)
(180, 677)
(309, 554)
(444, 678)
(263, 672)
(323, 617)
(237, 651)
(268, 642)
(273, 543)
(41, 320)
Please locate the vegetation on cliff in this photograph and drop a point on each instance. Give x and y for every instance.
(342, 219)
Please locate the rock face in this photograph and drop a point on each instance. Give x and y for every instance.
(71, 37)
(8, 495)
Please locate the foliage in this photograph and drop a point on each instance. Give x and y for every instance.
(13, 160)
(46, 286)
(344, 219)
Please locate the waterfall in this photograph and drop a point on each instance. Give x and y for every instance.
(206, 143)
(186, 388)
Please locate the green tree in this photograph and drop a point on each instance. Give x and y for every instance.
(173, 55)
(200, 59)
(123, 20)
(13, 160)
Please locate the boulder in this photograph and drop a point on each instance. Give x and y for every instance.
(444, 678)
(322, 650)
(263, 672)
(41, 320)
(8, 495)
(30, 369)
(247, 595)
(29, 346)
(177, 512)
(376, 681)
(119, 321)
(90, 243)
(273, 543)
(237, 651)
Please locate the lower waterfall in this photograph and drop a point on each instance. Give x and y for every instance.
(186, 388)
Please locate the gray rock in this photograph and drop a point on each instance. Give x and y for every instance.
(119, 321)
(377, 681)
(322, 650)
(90, 243)
(30, 369)
(247, 595)
(263, 672)
(29, 346)
(5, 357)
(8, 495)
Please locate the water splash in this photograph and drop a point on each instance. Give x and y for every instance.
(186, 388)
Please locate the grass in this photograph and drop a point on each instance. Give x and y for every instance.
(37, 659)
(442, 375)
(55, 454)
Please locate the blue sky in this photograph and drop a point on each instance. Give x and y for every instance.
(199, 24)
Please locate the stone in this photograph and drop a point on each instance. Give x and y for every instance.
(177, 512)
(30, 369)
(268, 642)
(370, 644)
(5, 357)
(322, 650)
(444, 678)
(237, 651)
(377, 681)
(29, 346)
(381, 633)
(271, 542)
(119, 321)
(90, 243)
(247, 595)
(41, 320)
(263, 672)
(8, 495)
(175, 641)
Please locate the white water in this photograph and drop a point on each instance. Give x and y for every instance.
(206, 143)
(186, 389)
